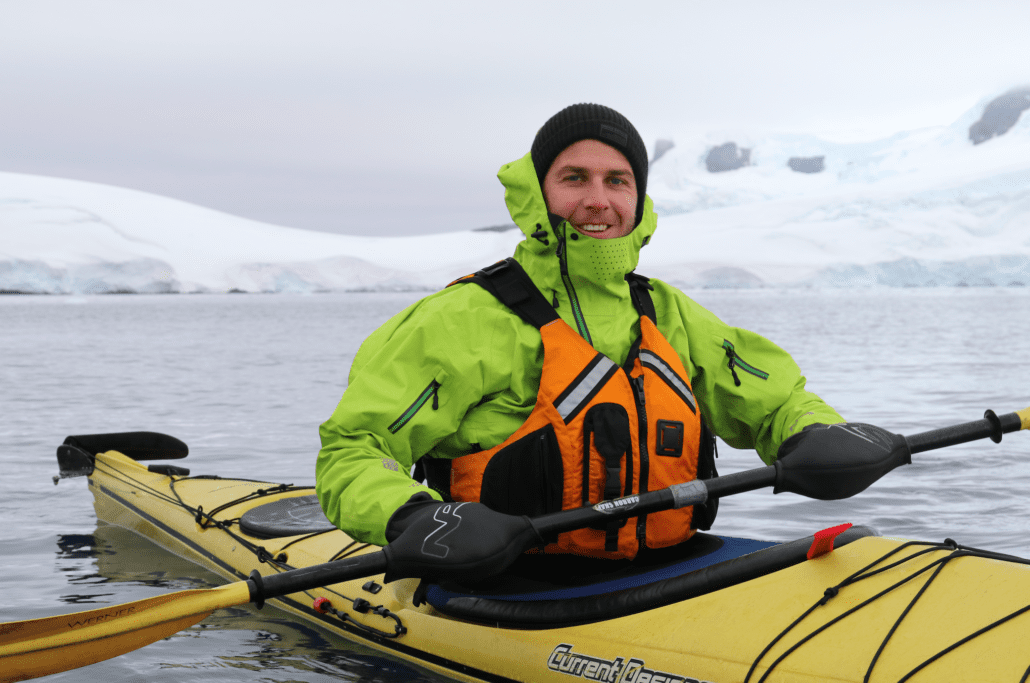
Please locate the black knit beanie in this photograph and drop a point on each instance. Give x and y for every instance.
(592, 122)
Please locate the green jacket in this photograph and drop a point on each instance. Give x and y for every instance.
(458, 372)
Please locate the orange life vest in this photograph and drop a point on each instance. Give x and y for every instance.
(598, 431)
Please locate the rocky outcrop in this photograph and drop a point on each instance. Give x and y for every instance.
(807, 164)
(660, 148)
(727, 157)
(999, 115)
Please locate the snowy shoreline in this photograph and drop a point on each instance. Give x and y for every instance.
(979, 272)
(925, 208)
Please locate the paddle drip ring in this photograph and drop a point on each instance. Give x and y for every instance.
(996, 429)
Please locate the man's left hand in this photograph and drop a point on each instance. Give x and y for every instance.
(830, 462)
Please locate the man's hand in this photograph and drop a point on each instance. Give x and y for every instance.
(464, 541)
(830, 462)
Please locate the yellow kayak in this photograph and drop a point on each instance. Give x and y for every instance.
(720, 610)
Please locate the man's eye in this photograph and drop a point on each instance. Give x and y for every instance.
(618, 181)
(572, 177)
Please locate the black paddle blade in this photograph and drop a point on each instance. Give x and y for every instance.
(136, 445)
(830, 462)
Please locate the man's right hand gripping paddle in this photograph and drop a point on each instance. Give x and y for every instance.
(463, 541)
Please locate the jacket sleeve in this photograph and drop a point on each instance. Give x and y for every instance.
(410, 386)
(758, 401)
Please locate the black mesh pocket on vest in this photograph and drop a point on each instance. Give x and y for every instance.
(525, 478)
(608, 424)
(607, 427)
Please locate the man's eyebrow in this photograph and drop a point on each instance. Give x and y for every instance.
(581, 169)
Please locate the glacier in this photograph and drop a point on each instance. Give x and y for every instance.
(920, 208)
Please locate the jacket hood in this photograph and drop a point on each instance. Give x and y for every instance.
(595, 266)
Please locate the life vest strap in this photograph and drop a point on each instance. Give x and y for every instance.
(640, 291)
(508, 281)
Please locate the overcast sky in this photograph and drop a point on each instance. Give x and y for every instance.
(380, 118)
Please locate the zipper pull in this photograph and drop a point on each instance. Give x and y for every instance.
(733, 357)
(555, 301)
(560, 251)
(638, 382)
(436, 397)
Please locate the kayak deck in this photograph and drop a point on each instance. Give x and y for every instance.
(912, 612)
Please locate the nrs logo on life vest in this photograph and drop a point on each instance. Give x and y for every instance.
(617, 504)
(564, 660)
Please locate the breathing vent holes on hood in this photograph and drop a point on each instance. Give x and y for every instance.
(609, 261)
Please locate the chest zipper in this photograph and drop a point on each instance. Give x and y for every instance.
(638, 390)
(563, 264)
(738, 362)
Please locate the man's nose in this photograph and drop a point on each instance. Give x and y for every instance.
(596, 197)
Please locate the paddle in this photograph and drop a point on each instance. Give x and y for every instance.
(40, 647)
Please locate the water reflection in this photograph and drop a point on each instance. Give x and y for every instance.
(76, 546)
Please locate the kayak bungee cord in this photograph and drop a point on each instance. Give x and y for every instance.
(203, 519)
(206, 519)
(956, 551)
(278, 561)
(831, 592)
(346, 551)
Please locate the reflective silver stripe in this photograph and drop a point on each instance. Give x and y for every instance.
(658, 365)
(585, 388)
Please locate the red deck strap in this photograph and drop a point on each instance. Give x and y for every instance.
(823, 542)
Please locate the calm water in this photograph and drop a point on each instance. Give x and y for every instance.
(245, 381)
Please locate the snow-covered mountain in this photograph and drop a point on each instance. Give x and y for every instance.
(926, 207)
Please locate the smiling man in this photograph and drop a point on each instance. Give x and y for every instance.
(552, 380)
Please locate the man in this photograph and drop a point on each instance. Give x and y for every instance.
(556, 379)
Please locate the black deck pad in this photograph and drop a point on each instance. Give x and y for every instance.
(286, 517)
(552, 591)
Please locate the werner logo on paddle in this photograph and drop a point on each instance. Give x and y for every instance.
(564, 660)
(92, 621)
(617, 504)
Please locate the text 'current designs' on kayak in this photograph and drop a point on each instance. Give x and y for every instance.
(619, 670)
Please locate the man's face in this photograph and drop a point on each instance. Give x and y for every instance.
(591, 185)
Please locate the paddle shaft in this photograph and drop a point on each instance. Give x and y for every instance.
(696, 492)
(354, 567)
(991, 426)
